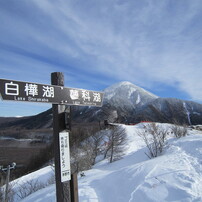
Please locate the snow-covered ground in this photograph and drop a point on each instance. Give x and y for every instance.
(176, 175)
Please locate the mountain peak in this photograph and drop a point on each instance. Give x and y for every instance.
(119, 85)
(124, 83)
(127, 94)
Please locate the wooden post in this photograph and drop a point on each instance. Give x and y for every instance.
(74, 188)
(62, 189)
(67, 191)
(73, 181)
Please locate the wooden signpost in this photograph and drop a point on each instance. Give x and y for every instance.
(59, 96)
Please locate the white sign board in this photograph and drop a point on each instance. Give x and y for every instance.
(64, 156)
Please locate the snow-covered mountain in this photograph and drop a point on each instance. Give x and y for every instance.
(171, 110)
(126, 94)
(120, 102)
(123, 102)
(127, 103)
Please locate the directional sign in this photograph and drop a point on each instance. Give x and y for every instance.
(34, 92)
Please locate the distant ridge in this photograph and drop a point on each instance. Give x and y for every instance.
(133, 104)
(123, 102)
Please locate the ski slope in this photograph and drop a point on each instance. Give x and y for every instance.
(176, 175)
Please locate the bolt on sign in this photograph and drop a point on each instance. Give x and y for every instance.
(34, 92)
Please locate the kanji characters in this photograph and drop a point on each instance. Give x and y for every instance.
(31, 89)
(48, 91)
(96, 97)
(86, 95)
(32, 92)
(11, 88)
(74, 94)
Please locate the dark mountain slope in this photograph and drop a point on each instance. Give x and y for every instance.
(39, 121)
(123, 102)
(171, 110)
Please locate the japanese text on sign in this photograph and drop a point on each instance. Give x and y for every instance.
(11, 89)
(64, 156)
(30, 89)
(33, 92)
(84, 96)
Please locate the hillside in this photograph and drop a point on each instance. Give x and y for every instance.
(123, 102)
(127, 103)
(173, 176)
(171, 110)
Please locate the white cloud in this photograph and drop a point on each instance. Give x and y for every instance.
(142, 41)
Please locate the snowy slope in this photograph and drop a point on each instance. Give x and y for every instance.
(47, 194)
(34, 180)
(131, 94)
(174, 176)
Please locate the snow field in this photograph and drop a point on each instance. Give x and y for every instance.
(176, 175)
(41, 177)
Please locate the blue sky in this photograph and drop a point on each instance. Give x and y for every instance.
(155, 44)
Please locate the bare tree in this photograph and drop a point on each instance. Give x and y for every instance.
(179, 131)
(76, 158)
(116, 139)
(154, 137)
(83, 154)
(29, 187)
